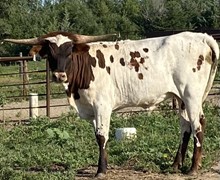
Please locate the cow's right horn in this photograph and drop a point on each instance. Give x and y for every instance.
(31, 41)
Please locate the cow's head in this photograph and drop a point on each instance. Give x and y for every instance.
(59, 48)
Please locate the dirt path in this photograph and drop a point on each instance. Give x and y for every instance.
(117, 173)
(20, 110)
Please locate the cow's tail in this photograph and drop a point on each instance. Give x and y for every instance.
(215, 56)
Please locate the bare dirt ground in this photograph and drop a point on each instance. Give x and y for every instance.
(114, 173)
(117, 173)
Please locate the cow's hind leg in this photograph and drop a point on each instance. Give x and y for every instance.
(197, 121)
(198, 142)
(102, 124)
(184, 137)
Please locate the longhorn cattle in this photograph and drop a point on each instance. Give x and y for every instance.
(101, 77)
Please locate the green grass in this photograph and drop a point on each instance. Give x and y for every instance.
(47, 149)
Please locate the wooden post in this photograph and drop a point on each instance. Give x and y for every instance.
(23, 69)
(25, 78)
(33, 105)
(48, 88)
(20, 66)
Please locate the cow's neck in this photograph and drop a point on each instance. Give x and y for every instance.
(79, 73)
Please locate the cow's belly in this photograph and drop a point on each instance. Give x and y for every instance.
(144, 93)
(146, 102)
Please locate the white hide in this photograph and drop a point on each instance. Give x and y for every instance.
(59, 39)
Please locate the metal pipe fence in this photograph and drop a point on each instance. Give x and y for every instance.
(17, 85)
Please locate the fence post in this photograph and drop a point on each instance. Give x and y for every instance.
(33, 105)
(23, 69)
(20, 66)
(25, 78)
(48, 88)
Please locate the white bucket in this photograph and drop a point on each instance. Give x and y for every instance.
(125, 133)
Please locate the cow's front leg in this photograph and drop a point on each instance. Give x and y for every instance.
(101, 125)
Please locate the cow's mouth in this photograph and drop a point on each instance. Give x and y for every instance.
(59, 77)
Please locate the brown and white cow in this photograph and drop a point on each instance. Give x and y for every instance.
(101, 77)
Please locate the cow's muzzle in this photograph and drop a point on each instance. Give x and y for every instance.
(59, 77)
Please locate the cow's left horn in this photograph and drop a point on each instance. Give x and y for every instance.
(31, 41)
(78, 39)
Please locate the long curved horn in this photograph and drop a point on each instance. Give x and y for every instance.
(78, 39)
(31, 41)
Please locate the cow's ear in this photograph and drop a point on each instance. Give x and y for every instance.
(80, 48)
(38, 49)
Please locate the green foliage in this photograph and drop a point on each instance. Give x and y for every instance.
(132, 18)
(46, 149)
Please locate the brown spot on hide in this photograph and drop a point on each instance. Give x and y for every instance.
(140, 76)
(137, 54)
(201, 57)
(146, 50)
(117, 46)
(199, 62)
(136, 67)
(93, 61)
(132, 55)
(194, 69)
(108, 69)
(104, 45)
(134, 63)
(122, 61)
(142, 61)
(111, 59)
(101, 59)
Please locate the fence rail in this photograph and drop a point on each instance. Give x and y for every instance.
(24, 85)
